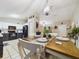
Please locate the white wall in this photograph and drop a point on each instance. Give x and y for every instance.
(61, 11)
(4, 26)
(12, 20)
(76, 16)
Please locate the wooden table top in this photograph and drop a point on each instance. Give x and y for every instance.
(67, 48)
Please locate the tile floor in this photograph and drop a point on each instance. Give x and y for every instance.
(10, 50)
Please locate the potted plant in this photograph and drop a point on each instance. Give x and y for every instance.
(45, 32)
(74, 33)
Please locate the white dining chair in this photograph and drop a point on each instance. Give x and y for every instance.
(29, 50)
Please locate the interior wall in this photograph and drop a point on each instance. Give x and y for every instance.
(76, 16)
(61, 11)
(4, 26)
(12, 20)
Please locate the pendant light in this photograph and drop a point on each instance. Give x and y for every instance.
(47, 9)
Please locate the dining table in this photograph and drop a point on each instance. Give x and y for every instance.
(66, 50)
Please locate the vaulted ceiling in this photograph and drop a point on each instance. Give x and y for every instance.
(16, 11)
(19, 9)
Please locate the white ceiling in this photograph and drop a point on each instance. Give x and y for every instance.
(16, 11)
(19, 9)
(9, 7)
